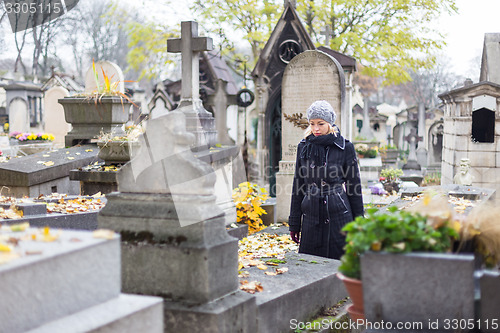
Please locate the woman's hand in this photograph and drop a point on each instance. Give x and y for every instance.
(295, 236)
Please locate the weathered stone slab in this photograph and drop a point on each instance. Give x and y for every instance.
(489, 306)
(309, 285)
(70, 276)
(417, 287)
(77, 221)
(27, 176)
(124, 314)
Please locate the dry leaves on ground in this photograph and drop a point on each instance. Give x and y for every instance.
(251, 287)
(77, 205)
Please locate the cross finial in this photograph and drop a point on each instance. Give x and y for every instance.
(190, 46)
(413, 136)
(327, 32)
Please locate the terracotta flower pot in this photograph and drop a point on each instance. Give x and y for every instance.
(355, 289)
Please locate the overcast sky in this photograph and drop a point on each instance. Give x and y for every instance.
(465, 33)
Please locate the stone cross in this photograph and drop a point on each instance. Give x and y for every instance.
(327, 32)
(413, 140)
(190, 46)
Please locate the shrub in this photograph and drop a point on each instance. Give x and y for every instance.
(248, 198)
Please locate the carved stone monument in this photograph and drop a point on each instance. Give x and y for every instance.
(199, 121)
(310, 76)
(174, 242)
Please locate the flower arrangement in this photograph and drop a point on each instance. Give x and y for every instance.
(364, 150)
(249, 198)
(109, 88)
(31, 136)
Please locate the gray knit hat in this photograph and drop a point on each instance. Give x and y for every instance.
(321, 110)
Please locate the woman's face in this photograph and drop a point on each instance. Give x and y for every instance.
(319, 127)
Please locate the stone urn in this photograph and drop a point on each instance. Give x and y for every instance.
(90, 117)
(117, 152)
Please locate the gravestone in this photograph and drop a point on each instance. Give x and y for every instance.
(54, 115)
(174, 242)
(77, 287)
(416, 287)
(489, 283)
(113, 72)
(199, 121)
(19, 117)
(309, 76)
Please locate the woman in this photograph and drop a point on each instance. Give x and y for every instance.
(326, 187)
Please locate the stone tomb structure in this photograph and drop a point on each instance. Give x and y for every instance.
(472, 130)
(45, 172)
(174, 241)
(54, 114)
(288, 39)
(77, 287)
(310, 76)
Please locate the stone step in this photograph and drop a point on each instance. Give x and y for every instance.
(299, 294)
(75, 272)
(126, 313)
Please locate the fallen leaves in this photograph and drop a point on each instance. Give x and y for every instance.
(73, 206)
(11, 214)
(251, 287)
(263, 251)
(46, 163)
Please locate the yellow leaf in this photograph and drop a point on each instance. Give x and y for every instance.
(48, 163)
(5, 248)
(70, 158)
(103, 233)
(19, 227)
(262, 267)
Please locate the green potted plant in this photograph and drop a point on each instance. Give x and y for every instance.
(389, 178)
(395, 231)
(361, 149)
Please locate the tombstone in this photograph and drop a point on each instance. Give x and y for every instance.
(165, 211)
(77, 287)
(412, 140)
(19, 118)
(310, 76)
(416, 287)
(54, 115)
(199, 121)
(113, 72)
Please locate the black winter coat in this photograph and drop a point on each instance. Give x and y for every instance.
(325, 198)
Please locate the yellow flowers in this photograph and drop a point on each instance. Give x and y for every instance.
(248, 198)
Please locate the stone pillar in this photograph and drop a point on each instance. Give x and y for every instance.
(422, 145)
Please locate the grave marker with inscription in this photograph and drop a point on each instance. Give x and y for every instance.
(310, 76)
